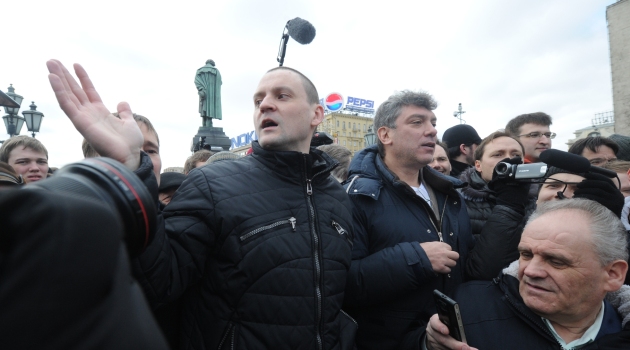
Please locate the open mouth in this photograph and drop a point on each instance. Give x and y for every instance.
(267, 123)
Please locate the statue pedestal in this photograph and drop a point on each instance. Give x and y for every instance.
(215, 137)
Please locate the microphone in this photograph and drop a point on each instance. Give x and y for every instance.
(572, 162)
(300, 30)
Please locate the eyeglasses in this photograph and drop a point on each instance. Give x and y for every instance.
(601, 161)
(557, 184)
(537, 135)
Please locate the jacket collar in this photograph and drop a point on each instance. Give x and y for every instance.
(368, 165)
(314, 164)
(477, 189)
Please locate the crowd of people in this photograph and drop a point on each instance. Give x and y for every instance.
(296, 247)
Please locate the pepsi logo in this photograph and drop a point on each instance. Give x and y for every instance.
(334, 102)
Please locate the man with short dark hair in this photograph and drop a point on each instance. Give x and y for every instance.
(412, 230)
(572, 253)
(27, 156)
(257, 248)
(598, 150)
(532, 130)
(462, 140)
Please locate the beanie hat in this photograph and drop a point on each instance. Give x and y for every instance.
(461, 134)
(171, 180)
(223, 155)
(624, 146)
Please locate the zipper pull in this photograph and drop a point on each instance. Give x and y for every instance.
(440, 235)
(293, 222)
(339, 229)
(309, 188)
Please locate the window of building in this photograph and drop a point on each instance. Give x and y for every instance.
(344, 142)
(337, 123)
(364, 128)
(344, 125)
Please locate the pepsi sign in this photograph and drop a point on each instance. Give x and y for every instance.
(359, 102)
(333, 102)
(243, 139)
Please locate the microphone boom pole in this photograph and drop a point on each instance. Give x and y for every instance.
(282, 49)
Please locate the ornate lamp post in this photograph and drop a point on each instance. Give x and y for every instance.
(12, 121)
(33, 118)
(370, 136)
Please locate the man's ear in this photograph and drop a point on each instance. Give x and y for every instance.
(615, 275)
(478, 165)
(463, 150)
(384, 134)
(318, 115)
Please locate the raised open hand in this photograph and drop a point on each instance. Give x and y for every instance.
(120, 139)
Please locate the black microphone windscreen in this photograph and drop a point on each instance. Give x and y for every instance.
(565, 160)
(301, 30)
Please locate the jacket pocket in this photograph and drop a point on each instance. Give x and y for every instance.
(347, 332)
(261, 230)
(342, 232)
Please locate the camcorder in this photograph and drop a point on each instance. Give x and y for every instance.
(105, 180)
(521, 172)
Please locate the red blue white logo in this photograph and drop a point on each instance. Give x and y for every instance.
(334, 102)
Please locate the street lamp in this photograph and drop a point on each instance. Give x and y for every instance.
(12, 121)
(370, 136)
(33, 118)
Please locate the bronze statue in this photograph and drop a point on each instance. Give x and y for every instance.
(208, 82)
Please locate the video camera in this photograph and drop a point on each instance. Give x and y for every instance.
(521, 172)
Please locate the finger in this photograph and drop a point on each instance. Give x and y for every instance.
(66, 104)
(87, 85)
(446, 246)
(452, 255)
(63, 74)
(124, 112)
(437, 325)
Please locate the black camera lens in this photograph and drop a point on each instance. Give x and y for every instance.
(107, 181)
(503, 169)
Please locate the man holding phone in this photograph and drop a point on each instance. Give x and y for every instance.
(572, 254)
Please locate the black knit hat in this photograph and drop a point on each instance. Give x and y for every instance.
(461, 134)
(171, 180)
(624, 146)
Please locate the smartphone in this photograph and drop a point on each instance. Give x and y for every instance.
(448, 311)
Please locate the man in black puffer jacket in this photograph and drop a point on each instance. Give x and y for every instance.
(257, 248)
(481, 200)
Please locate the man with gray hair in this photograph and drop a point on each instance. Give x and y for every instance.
(572, 254)
(412, 228)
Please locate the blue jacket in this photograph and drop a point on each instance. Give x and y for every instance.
(391, 281)
(495, 317)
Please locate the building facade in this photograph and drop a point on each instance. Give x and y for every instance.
(618, 18)
(602, 125)
(347, 129)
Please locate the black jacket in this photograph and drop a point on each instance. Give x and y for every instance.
(65, 279)
(391, 279)
(458, 167)
(479, 199)
(497, 228)
(495, 317)
(258, 249)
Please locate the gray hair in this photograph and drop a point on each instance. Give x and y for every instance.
(610, 239)
(342, 155)
(389, 111)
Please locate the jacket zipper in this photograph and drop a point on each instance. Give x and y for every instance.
(230, 330)
(316, 254)
(250, 234)
(543, 328)
(341, 231)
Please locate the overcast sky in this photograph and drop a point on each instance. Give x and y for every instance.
(498, 58)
